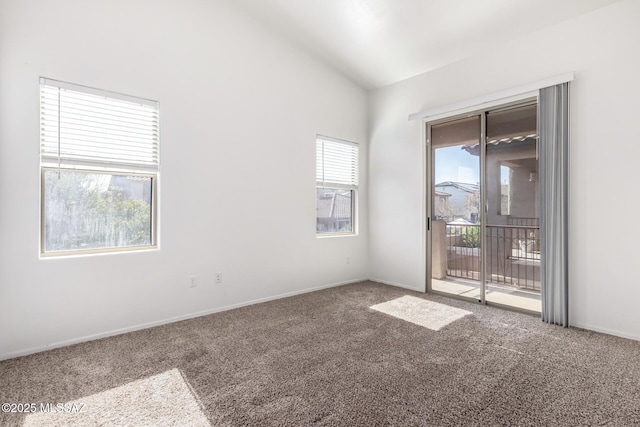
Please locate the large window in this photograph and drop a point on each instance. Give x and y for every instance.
(336, 185)
(99, 156)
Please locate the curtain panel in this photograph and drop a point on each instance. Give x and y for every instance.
(553, 132)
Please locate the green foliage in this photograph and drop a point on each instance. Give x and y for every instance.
(471, 236)
(85, 211)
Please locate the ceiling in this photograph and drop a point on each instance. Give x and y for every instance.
(380, 42)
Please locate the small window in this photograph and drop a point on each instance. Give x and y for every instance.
(99, 156)
(336, 186)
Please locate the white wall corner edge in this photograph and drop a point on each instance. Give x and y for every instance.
(87, 338)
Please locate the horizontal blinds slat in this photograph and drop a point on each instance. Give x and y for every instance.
(50, 145)
(97, 127)
(79, 151)
(336, 163)
(51, 115)
(94, 137)
(95, 112)
(132, 156)
(99, 134)
(132, 120)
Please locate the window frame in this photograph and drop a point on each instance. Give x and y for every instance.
(353, 188)
(106, 168)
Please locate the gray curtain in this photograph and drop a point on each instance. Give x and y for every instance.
(553, 125)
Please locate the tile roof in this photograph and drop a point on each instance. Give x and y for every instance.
(334, 204)
(464, 186)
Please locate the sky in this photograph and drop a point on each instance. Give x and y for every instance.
(456, 164)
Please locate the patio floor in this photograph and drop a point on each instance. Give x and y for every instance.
(522, 299)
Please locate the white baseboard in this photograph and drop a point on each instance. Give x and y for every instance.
(607, 331)
(398, 285)
(59, 344)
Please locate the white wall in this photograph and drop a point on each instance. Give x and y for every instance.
(601, 48)
(240, 108)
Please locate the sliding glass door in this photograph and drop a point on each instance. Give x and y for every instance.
(488, 159)
(456, 249)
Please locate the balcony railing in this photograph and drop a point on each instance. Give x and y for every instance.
(513, 254)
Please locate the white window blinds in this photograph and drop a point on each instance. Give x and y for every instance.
(86, 126)
(336, 163)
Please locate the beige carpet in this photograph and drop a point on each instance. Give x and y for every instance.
(334, 358)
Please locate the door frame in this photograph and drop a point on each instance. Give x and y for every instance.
(427, 123)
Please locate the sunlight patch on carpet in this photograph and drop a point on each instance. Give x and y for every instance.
(160, 400)
(431, 315)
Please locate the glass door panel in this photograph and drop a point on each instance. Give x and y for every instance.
(455, 245)
(512, 233)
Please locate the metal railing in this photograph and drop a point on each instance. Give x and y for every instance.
(519, 220)
(513, 254)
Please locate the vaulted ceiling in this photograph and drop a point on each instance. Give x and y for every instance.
(379, 42)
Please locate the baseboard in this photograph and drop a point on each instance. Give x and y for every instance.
(605, 331)
(398, 285)
(59, 344)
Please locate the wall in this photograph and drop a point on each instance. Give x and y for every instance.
(600, 47)
(240, 108)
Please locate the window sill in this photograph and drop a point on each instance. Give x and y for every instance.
(330, 235)
(94, 252)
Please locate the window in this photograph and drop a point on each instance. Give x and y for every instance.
(336, 185)
(99, 156)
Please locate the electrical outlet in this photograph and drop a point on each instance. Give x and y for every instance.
(218, 277)
(193, 282)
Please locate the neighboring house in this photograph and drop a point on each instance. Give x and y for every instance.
(334, 210)
(462, 202)
(442, 208)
